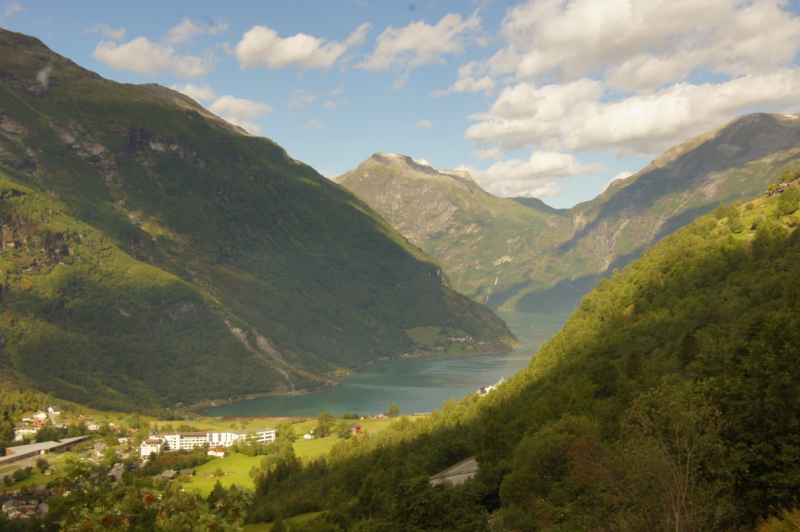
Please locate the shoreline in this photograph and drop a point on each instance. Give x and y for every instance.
(202, 408)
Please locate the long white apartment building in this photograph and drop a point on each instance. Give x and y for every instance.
(189, 440)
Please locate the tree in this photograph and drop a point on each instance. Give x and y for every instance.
(343, 430)
(325, 422)
(394, 410)
(42, 464)
(667, 470)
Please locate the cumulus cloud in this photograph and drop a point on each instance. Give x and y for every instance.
(240, 112)
(313, 124)
(262, 46)
(183, 32)
(424, 124)
(418, 44)
(301, 98)
(468, 84)
(337, 91)
(667, 39)
(200, 94)
(575, 116)
(536, 177)
(107, 31)
(145, 57)
(491, 154)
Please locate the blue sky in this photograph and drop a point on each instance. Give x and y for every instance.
(545, 98)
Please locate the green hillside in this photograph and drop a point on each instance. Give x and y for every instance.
(154, 253)
(520, 254)
(667, 402)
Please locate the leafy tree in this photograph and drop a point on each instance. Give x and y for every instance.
(394, 410)
(325, 422)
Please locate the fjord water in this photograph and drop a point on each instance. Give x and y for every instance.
(415, 384)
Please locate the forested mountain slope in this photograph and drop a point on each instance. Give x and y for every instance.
(153, 253)
(543, 259)
(667, 402)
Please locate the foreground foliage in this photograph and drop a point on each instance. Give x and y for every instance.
(667, 402)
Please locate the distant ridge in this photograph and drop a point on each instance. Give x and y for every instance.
(521, 254)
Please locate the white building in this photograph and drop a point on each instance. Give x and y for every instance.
(151, 445)
(227, 438)
(190, 440)
(184, 440)
(21, 431)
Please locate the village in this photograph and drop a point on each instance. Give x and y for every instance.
(122, 444)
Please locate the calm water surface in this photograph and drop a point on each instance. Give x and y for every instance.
(417, 384)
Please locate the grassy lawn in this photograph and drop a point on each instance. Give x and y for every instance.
(308, 449)
(37, 479)
(237, 471)
(6, 469)
(296, 520)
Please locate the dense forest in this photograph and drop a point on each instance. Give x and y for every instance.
(667, 402)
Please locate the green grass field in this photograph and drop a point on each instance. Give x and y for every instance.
(296, 520)
(236, 468)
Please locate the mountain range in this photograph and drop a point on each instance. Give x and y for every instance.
(520, 254)
(154, 253)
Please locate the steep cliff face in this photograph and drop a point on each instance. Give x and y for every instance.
(515, 253)
(152, 252)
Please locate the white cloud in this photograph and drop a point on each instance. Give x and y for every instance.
(240, 112)
(145, 57)
(261, 46)
(575, 116)
(301, 98)
(107, 31)
(183, 32)
(330, 105)
(12, 8)
(43, 76)
(424, 124)
(217, 27)
(469, 84)
(337, 91)
(642, 44)
(200, 94)
(313, 124)
(492, 154)
(419, 44)
(622, 175)
(535, 177)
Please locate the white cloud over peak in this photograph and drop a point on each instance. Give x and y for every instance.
(145, 57)
(200, 94)
(419, 43)
(622, 175)
(536, 177)
(262, 46)
(107, 31)
(240, 112)
(575, 115)
(424, 124)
